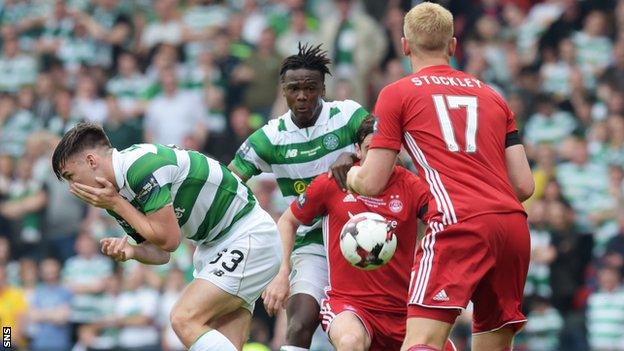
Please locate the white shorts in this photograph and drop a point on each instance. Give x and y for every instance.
(246, 261)
(308, 275)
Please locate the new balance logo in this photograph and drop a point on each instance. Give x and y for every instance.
(349, 198)
(441, 296)
(291, 153)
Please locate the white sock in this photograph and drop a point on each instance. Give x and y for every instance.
(293, 348)
(213, 341)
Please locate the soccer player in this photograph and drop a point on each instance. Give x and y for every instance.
(297, 146)
(159, 193)
(364, 310)
(463, 137)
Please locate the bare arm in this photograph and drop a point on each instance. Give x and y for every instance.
(287, 226)
(519, 171)
(372, 176)
(120, 250)
(159, 227)
(276, 293)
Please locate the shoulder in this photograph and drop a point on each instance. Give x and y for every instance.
(396, 88)
(272, 130)
(344, 105)
(321, 181)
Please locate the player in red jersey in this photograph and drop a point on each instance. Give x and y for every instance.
(364, 310)
(463, 137)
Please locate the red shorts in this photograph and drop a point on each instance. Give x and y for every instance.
(483, 259)
(386, 330)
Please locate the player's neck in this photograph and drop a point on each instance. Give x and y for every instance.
(418, 63)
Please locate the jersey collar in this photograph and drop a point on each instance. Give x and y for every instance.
(117, 161)
(322, 119)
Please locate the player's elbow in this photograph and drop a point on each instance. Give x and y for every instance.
(525, 189)
(170, 244)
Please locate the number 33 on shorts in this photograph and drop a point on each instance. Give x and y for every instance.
(226, 261)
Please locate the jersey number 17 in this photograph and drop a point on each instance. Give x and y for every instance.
(454, 102)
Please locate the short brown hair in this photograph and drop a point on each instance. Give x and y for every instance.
(366, 128)
(429, 27)
(82, 137)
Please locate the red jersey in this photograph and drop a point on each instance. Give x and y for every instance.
(455, 128)
(403, 201)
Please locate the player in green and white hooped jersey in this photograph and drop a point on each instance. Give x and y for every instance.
(296, 147)
(159, 193)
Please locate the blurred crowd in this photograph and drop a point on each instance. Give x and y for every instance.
(203, 74)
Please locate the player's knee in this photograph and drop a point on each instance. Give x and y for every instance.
(182, 322)
(351, 342)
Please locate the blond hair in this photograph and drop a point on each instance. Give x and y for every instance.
(428, 27)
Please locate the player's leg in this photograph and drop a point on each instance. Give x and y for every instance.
(235, 326)
(229, 279)
(307, 287)
(448, 265)
(348, 333)
(199, 307)
(302, 312)
(498, 297)
(347, 326)
(498, 340)
(425, 331)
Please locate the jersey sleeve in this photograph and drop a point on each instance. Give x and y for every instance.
(150, 179)
(311, 203)
(388, 129)
(248, 160)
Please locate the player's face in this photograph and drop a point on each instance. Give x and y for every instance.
(303, 90)
(82, 168)
(362, 150)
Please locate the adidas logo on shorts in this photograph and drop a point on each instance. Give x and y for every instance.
(441, 296)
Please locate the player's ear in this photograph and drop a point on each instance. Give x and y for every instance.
(405, 46)
(452, 47)
(91, 161)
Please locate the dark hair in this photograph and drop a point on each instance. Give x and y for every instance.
(366, 128)
(309, 57)
(83, 136)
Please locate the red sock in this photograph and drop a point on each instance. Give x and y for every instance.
(422, 347)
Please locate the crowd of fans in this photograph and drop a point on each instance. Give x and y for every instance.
(203, 74)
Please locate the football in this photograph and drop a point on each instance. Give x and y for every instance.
(366, 241)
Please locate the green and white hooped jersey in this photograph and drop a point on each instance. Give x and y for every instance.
(206, 197)
(296, 155)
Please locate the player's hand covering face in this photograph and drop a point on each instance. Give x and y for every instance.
(105, 196)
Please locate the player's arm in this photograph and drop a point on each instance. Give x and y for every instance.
(146, 252)
(519, 171)
(372, 176)
(305, 209)
(518, 168)
(160, 226)
(248, 160)
(276, 293)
